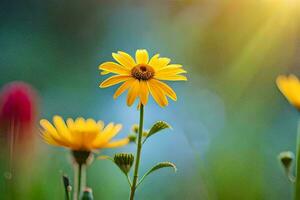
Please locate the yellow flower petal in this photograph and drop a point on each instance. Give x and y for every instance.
(171, 66)
(112, 133)
(157, 94)
(123, 87)
(49, 129)
(133, 92)
(101, 137)
(117, 143)
(154, 60)
(62, 129)
(290, 88)
(166, 89)
(113, 80)
(169, 71)
(108, 133)
(91, 123)
(123, 60)
(162, 62)
(144, 92)
(127, 57)
(100, 125)
(171, 77)
(104, 72)
(141, 56)
(80, 122)
(49, 140)
(114, 68)
(70, 124)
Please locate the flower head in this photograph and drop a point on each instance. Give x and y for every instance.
(17, 109)
(80, 134)
(290, 88)
(142, 76)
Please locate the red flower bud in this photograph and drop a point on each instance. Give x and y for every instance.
(17, 110)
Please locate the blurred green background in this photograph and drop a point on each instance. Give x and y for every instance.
(230, 121)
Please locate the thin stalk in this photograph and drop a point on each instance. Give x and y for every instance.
(129, 181)
(297, 184)
(67, 193)
(138, 154)
(78, 179)
(12, 142)
(83, 176)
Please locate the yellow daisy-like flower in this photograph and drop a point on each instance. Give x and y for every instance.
(81, 134)
(142, 76)
(290, 88)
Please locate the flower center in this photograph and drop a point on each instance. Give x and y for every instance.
(142, 72)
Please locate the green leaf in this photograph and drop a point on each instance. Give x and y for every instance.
(157, 167)
(158, 126)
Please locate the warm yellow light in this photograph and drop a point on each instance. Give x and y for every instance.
(290, 3)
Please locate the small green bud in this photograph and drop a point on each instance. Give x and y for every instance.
(124, 161)
(67, 184)
(145, 133)
(286, 158)
(135, 128)
(132, 137)
(87, 194)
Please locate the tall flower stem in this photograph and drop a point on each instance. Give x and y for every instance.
(297, 183)
(138, 154)
(78, 181)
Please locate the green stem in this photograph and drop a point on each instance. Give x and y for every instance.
(297, 184)
(78, 179)
(138, 154)
(67, 194)
(129, 181)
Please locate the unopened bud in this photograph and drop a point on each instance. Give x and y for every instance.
(124, 161)
(145, 133)
(18, 110)
(87, 194)
(135, 128)
(132, 137)
(67, 184)
(286, 158)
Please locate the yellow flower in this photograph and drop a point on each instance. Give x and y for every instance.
(81, 134)
(142, 76)
(290, 88)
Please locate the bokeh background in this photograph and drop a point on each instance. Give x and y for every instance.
(229, 123)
